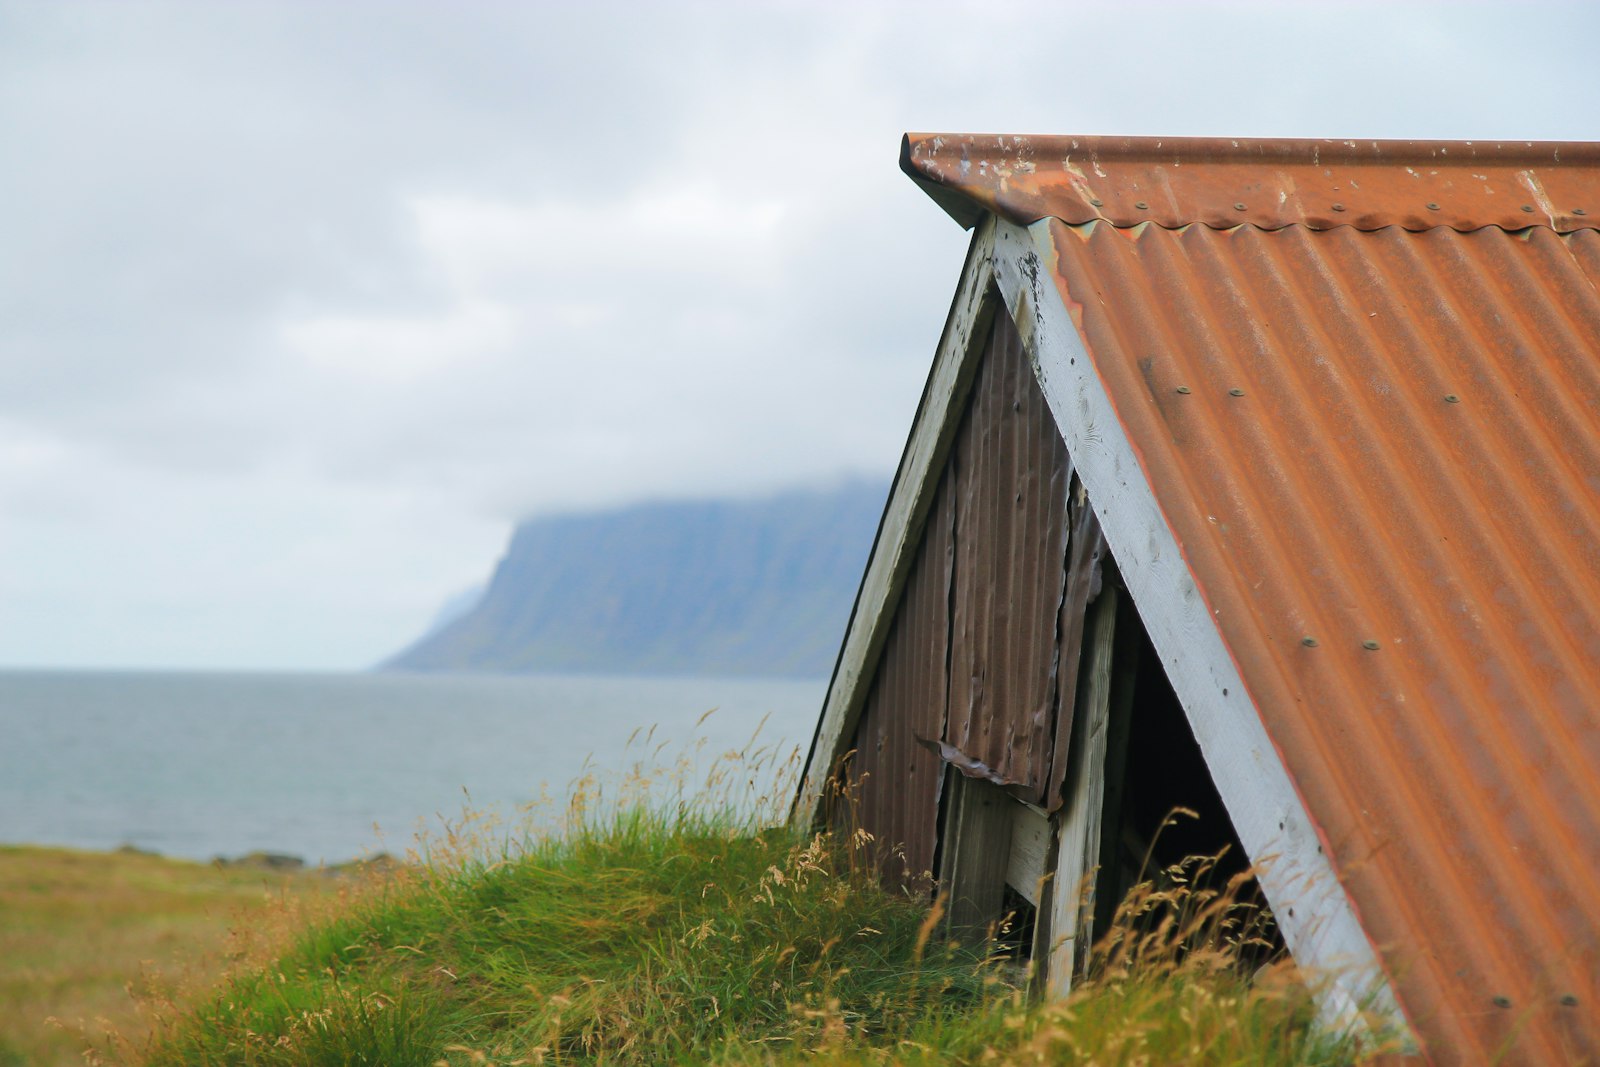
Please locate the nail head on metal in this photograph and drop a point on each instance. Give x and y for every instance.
(1184, 389)
(1236, 392)
(1309, 641)
(1432, 206)
(1569, 1001)
(1528, 208)
(1097, 202)
(1140, 204)
(1338, 207)
(1451, 398)
(1238, 207)
(1502, 1002)
(1370, 645)
(1579, 211)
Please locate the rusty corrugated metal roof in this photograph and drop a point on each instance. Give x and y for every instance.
(1378, 446)
(1175, 181)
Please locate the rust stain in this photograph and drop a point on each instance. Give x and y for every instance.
(1409, 473)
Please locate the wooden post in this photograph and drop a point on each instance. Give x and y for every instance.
(1111, 885)
(1078, 839)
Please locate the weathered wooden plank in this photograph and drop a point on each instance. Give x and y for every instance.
(916, 480)
(1078, 847)
(1084, 549)
(1044, 914)
(1030, 850)
(1312, 909)
(977, 844)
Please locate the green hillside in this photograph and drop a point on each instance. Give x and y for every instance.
(670, 937)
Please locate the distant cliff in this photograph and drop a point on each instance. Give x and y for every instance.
(714, 587)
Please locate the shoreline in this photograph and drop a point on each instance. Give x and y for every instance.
(266, 861)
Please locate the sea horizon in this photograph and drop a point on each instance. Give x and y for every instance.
(331, 766)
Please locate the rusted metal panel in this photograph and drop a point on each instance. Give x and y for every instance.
(1178, 181)
(1009, 472)
(1378, 446)
(969, 673)
(1385, 474)
(893, 775)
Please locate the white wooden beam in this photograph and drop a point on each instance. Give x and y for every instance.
(1078, 841)
(1029, 861)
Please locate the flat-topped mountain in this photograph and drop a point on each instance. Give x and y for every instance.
(715, 587)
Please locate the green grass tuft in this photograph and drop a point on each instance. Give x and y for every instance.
(645, 940)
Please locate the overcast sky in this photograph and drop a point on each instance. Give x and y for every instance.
(303, 305)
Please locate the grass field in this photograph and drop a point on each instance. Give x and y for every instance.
(654, 928)
(81, 932)
(659, 937)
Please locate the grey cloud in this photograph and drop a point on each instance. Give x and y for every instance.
(681, 258)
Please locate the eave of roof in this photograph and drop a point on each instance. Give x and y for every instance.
(1221, 183)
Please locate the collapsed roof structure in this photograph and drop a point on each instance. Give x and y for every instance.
(1287, 452)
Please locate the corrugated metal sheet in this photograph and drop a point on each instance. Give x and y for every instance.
(1010, 474)
(1178, 181)
(971, 660)
(1380, 452)
(905, 714)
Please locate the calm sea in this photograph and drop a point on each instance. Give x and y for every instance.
(201, 765)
